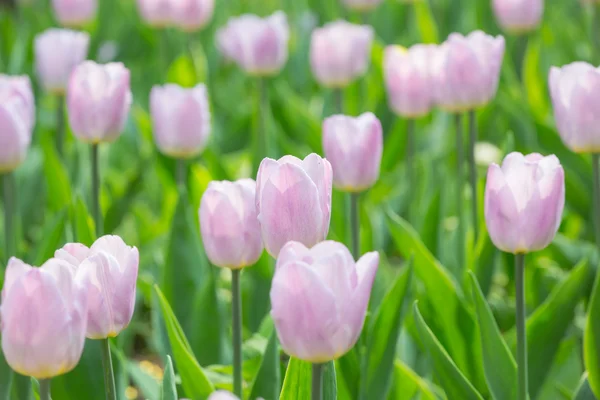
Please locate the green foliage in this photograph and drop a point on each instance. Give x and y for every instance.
(592, 340)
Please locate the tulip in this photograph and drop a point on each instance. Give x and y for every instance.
(293, 201)
(361, 5)
(354, 147)
(181, 119)
(319, 298)
(193, 15)
(408, 79)
(524, 200)
(98, 101)
(43, 314)
(258, 45)
(340, 53)
(518, 16)
(466, 69)
(229, 225)
(57, 52)
(156, 13)
(74, 13)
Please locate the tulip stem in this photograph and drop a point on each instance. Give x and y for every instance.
(355, 224)
(473, 170)
(410, 159)
(181, 172)
(596, 206)
(262, 137)
(8, 194)
(459, 189)
(317, 381)
(521, 334)
(60, 124)
(236, 308)
(338, 100)
(109, 376)
(44, 389)
(96, 190)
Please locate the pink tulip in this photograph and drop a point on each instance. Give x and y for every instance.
(193, 15)
(228, 223)
(354, 147)
(43, 318)
(112, 268)
(156, 13)
(258, 45)
(466, 70)
(74, 13)
(181, 119)
(57, 53)
(576, 99)
(293, 201)
(17, 118)
(340, 53)
(408, 79)
(518, 16)
(319, 299)
(98, 101)
(524, 200)
(222, 395)
(361, 5)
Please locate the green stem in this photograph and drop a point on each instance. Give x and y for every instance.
(317, 382)
(596, 186)
(8, 195)
(355, 224)
(473, 171)
(459, 188)
(60, 124)
(163, 61)
(264, 112)
(410, 155)
(595, 30)
(236, 308)
(96, 190)
(181, 173)
(521, 334)
(338, 100)
(109, 376)
(44, 389)
(191, 53)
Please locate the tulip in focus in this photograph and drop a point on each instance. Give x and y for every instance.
(524, 200)
(354, 147)
(57, 53)
(340, 53)
(408, 79)
(293, 201)
(518, 16)
(319, 299)
(43, 314)
(181, 119)
(98, 101)
(466, 69)
(258, 45)
(229, 225)
(112, 270)
(193, 15)
(75, 13)
(575, 92)
(361, 5)
(156, 13)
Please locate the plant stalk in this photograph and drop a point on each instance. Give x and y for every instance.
(410, 160)
(459, 189)
(521, 333)
(96, 190)
(338, 101)
(473, 171)
(317, 382)
(355, 224)
(8, 195)
(181, 173)
(264, 110)
(60, 124)
(236, 308)
(596, 186)
(44, 389)
(109, 375)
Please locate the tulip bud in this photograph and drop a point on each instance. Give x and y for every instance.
(319, 299)
(181, 119)
(466, 70)
(340, 53)
(293, 201)
(112, 270)
(361, 5)
(258, 45)
(156, 13)
(524, 200)
(518, 16)
(574, 90)
(43, 315)
(193, 15)
(74, 13)
(57, 53)
(354, 147)
(17, 118)
(229, 225)
(98, 101)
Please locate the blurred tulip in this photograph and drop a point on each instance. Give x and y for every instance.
(466, 70)
(98, 101)
(518, 16)
(181, 119)
(361, 5)
(193, 15)
(74, 13)
(486, 154)
(43, 315)
(222, 395)
(228, 223)
(575, 92)
(354, 147)
(112, 270)
(57, 53)
(340, 52)
(408, 79)
(17, 118)
(156, 13)
(524, 200)
(258, 45)
(293, 200)
(319, 299)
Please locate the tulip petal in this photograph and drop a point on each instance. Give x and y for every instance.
(14, 270)
(356, 308)
(74, 253)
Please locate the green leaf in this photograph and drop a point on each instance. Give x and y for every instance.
(498, 364)
(534, 81)
(425, 22)
(452, 380)
(169, 388)
(383, 336)
(57, 179)
(6, 376)
(584, 391)
(591, 340)
(51, 238)
(193, 379)
(406, 384)
(182, 71)
(298, 380)
(83, 222)
(266, 383)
